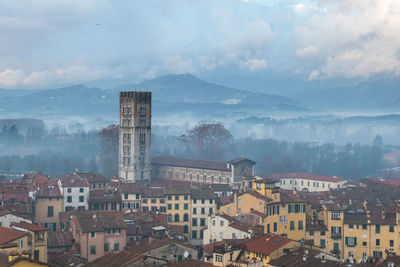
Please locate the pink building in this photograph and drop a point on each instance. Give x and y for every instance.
(98, 232)
(153, 199)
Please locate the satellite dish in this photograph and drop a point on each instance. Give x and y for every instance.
(186, 254)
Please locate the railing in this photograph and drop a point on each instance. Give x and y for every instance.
(335, 251)
(336, 236)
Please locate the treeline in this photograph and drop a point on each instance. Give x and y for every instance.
(49, 163)
(351, 161)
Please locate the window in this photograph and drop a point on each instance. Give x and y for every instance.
(169, 206)
(335, 216)
(391, 228)
(20, 243)
(377, 242)
(185, 229)
(69, 199)
(202, 222)
(311, 233)
(322, 232)
(194, 222)
(221, 223)
(364, 227)
(218, 258)
(145, 201)
(300, 225)
(322, 243)
(81, 190)
(125, 196)
(185, 217)
(50, 211)
(194, 234)
(162, 209)
(391, 243)
(185, 206)
(291, 225)
(176, 197)
(351, 241)
(377, 229)
(203, 201)
(93, 250)
(69, 190)
(194, 210)
(275, 227)
(116, 231)
(116, 246)
(142, 111)
(203, 211)
(233, 236)
(92, 234)
(169, 218)
(377, 254)
(162, 200)
(81, 198)
(176, 218)
(169, 197)
(137, 196)
(105, 247)
(364, 244)
(176, 206)
(351, 226)
(210, 211)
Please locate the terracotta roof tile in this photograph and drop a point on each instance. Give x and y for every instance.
(98, 221)
(267, 244)
(73, 180)
(8, 235)
(49, 189)
(93, 177)
(30, 226)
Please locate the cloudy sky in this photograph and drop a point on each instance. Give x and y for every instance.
(46, 43)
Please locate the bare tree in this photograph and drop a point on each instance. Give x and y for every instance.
(109, 138)
(208, 141)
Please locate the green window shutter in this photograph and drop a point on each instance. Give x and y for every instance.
(355, 241)
(347, 240)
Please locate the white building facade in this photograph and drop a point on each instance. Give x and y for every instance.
(75, 192)
(222, 226)
(309, 182)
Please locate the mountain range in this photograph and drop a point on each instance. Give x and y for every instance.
(187, 94)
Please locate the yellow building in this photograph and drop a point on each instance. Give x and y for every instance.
(332, 216)
(269, 247)
(286, 217)
(48, 204)
(13, 240)
(179, 207)
(14, 259)
(245, 203)
(37, 239)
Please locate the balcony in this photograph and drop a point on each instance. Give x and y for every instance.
(335, 251)
(336, 236)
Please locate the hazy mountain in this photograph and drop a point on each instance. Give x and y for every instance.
(373, 96)
(171, 94)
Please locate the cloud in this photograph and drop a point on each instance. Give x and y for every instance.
(308, 51)
(61, 76)
(313, 75)
(254, 64)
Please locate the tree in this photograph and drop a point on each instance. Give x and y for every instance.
(108, 157)
(208, 141)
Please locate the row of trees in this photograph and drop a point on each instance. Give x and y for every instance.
(211, 141)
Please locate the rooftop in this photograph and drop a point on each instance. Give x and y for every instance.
(73, 180)
(191, 163)
(267, 244)
(98, 221)
(30, 226)
(8, 235)
(306, 176)
(92, 177)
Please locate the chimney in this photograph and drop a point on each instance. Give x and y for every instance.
(235, 201)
